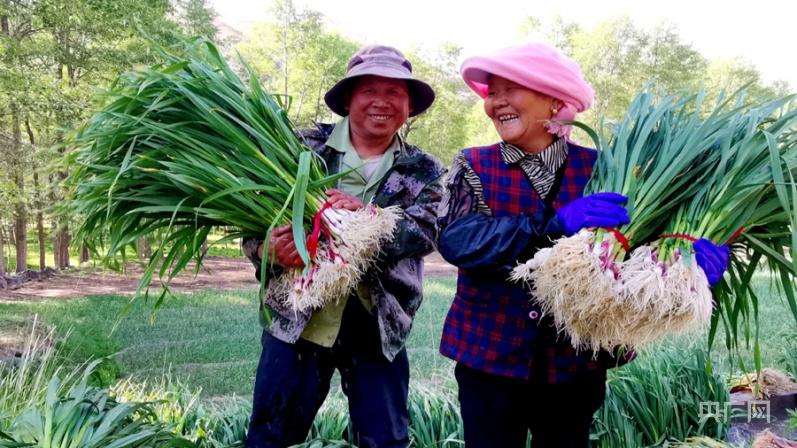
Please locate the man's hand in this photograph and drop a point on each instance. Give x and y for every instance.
(340, 200)
(283, 250)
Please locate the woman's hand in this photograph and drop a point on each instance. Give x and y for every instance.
(712, 259)
(595, 210)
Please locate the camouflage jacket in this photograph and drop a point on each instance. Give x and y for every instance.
(414, 183)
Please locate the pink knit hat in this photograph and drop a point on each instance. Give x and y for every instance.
(538, 67)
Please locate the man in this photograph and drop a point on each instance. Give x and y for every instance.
(363, 335)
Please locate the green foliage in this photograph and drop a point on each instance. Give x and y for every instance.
(88, 417)
(45, 403)
(435, 419)
(54, 56)
(24, 380)
(174, 404)
(183, 148)
(480, 128)
(788, 358)
(657, 397)
(196, 18)
(442, 129)
(698, 442)
(298, 59)
(331, 425)
(209, 340)
(618, 57)
(325, 443)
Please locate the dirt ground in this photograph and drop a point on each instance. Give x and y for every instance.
(217, 272)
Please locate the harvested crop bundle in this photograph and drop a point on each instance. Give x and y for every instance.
(187, 146)
(688, 174)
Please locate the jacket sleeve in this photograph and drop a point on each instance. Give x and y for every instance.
(416, 232)
(249, 246)
(472, 238)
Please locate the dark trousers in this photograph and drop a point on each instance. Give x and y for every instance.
(293, 380)
(499, 411)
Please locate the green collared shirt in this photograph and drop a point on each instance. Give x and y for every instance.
(366, 175)
(362, 181)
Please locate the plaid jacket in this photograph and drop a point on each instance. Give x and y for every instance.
(395, 283)
(492, 324)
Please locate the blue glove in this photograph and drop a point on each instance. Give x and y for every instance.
(712, 259)
(595, 210)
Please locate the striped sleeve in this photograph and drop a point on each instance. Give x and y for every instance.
(463, 194)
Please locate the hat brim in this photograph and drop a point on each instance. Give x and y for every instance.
(475, 74)
(421, 95)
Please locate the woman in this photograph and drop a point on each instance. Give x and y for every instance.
(503, 202)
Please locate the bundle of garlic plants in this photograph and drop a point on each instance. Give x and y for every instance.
(186, 146)
(610, 287)
(747, 203)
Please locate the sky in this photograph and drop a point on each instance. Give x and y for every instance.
(760, 32)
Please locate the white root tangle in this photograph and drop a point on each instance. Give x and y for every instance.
(338, 267)
(602, 303)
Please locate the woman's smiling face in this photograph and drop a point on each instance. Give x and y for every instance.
(518, 113)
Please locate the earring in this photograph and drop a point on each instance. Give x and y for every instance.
(554, 110)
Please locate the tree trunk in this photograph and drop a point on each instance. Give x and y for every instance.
(61, 243)
(40, 227)
(3, 284)
(64, 239)
(143, 248)
(56, 243)
(38, 204)
(20, 210)
(84, 253)
(21, 235)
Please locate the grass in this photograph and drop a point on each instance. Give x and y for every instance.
(210, 340)
(212, 337)
(46, 403)
(778, 333)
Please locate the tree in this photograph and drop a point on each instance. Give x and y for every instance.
(196, 18)
(481, 130)
(618, 58)
(558, 33)
(441, 130)
(6, 192)
(89, 46)
(731, 74)
(298, 60)
(669, 61)
(55, 53)
(611, 58)
(14, 36)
